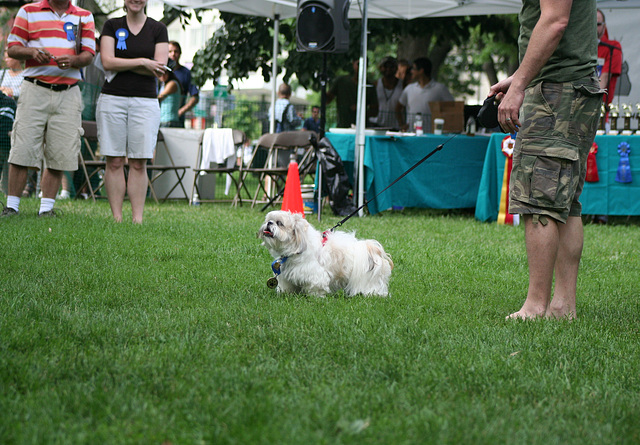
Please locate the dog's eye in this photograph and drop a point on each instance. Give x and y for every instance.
(279, 223)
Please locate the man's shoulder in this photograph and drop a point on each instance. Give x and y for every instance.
(612, 42)
(35, 6)
(344, 80)
(78, 11)
(413, 87)
(182, 70)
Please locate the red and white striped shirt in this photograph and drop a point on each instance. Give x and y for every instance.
(37, 25)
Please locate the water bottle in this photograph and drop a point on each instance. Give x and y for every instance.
(418, 125)
(471, 126)
(195, 201)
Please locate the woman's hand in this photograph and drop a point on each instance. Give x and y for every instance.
(155, 67)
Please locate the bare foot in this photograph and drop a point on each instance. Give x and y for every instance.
(528, 312)
(562, 313)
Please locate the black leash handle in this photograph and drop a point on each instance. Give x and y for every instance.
(438, 148)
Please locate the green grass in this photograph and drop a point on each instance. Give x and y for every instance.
(166, 333)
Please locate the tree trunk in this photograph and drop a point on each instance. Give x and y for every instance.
(411, 47)
(490, 70)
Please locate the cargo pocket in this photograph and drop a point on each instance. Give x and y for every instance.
(537, 112)
(585, 110)
(548, 177)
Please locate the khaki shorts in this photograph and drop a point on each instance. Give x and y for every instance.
(559, 122)
(127, 126)
(48, 126)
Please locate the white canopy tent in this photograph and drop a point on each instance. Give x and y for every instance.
(377, 9)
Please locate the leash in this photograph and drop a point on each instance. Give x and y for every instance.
(438, 148)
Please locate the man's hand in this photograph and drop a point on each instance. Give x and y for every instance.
(510, 100)
(42, 56)
(65, 62)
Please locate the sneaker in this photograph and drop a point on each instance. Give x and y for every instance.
(8, 211)
(64, 194)
(53, 213)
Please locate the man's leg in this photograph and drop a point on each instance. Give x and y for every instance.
(542, 249)
(17, 179)
(569, 253)
(50, 183)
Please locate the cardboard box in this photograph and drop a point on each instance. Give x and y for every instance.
(451, 112)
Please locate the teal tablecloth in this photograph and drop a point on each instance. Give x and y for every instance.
(606, 197)
(448, 180)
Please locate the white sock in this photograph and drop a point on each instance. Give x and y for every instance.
(46, 204)
(13, 202)
(64, 194)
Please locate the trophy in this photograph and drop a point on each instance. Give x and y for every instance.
(626, 130)
(613, 119)
(603, 120)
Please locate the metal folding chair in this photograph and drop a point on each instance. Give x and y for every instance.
(158, 170)
(231, 170)
(271, 174)
(90, 163)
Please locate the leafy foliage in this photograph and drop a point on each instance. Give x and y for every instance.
(455, 45)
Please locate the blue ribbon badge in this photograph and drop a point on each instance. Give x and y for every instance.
(68, 27)
(122, 35)
(623, 174)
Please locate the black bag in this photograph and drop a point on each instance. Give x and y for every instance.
(488, 114)
(285, 123)
(335, 180)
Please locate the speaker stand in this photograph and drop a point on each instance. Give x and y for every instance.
(323, 121)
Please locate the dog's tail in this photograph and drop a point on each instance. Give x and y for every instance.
(377, 254)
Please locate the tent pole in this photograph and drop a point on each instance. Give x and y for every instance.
(274, 72)
(361, 118)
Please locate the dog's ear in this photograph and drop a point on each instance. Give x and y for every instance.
(299, 231)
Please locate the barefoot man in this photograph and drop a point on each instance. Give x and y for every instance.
(553, 102)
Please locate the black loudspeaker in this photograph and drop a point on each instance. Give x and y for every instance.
(323, 26)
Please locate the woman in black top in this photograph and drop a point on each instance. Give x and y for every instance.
(134, 52)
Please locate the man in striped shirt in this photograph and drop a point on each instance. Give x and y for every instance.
(55, 39)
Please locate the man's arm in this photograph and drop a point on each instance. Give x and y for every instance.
(193, 100)
(400, 116)
(42, 56)
(604, 80)
(553, 21)
(20, 52)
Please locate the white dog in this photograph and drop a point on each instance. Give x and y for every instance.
(306, 263)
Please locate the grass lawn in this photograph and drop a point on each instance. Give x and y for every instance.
(166, 333)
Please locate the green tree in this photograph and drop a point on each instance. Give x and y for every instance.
(455, 45)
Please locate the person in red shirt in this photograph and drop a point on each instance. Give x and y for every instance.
(55, 39)
(609, 60)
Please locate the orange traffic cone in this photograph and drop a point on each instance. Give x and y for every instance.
(292, 200)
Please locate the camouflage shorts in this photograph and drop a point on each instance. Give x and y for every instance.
(559, 122)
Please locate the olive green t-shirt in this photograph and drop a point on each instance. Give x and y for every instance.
(576, 54)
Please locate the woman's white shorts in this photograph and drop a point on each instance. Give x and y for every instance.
(127, 126)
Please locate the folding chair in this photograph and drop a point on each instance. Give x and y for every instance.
(230, 168)
(272, 175)
(90, 164)
(158, 170)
